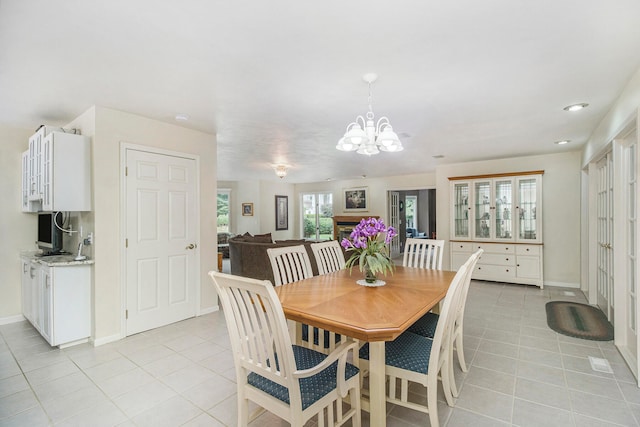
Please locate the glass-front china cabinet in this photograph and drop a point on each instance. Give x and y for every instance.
(501, 214)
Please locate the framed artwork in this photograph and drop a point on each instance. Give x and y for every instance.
(356, 199)
(282, 212)
(247, 209)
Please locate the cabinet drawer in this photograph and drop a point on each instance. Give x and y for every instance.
(496, 248)
(494, 272)
(497, 259)
(533, 250)
(461, 247)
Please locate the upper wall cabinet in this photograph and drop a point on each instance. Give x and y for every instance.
(500, 208)
(56, 173)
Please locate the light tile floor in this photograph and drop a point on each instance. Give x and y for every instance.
(522, 374)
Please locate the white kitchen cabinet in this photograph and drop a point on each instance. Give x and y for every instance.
(502, 262)
(27, 298)
(27, 205)
(502, 214)
(60, 298)
(35, 171)
(56, 174)
(66, 178)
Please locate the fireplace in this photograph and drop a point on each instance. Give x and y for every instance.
(343, 225)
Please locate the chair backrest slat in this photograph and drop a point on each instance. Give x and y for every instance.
(423, 253)
(329, 256)
(289, 264)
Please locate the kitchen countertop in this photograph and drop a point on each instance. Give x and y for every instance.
(56, 260)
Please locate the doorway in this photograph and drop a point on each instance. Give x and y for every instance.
(161, 218)
(416, 213)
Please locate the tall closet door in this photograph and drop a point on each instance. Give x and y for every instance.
(605, 235)
(631, 250)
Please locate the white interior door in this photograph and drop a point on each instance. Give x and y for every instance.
(161, 233)
(630, 341)
(394, 221)
(605, 235)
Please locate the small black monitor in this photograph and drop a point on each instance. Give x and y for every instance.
(50, 235)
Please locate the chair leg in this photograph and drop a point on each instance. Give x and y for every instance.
(355, 404)
(432, 402)
(460, 350)
(447, 384)
(243, 411)
(452, 378)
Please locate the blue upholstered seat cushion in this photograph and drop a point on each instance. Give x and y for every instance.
(312, 388)
(305, 336)
(426, 325)
(409, 351)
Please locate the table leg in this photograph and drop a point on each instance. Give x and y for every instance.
(377, 380)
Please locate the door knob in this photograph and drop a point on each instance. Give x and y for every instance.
(192, 246)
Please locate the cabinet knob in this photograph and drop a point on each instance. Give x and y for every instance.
(507, 259)
(517, 265)
(507, 270)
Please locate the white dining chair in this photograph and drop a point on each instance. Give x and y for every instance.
(412, 358)
(291, 264)
(423, 253)
(295, 383)
(329, 256)
(426, 325)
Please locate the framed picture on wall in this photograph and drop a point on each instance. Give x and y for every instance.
(282, 212)
(247, 209)
(356, 199)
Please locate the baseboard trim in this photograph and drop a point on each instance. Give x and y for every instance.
(12, 319)
(208, 310)
(105, 340)
(562, 284)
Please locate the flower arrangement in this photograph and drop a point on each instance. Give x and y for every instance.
(369, 242)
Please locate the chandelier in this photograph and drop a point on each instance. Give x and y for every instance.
(366, 138)
(281, 171)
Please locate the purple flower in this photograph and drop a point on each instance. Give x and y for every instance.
(369, 242)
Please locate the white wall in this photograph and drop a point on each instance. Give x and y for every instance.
(622, 111)
(109, 130)
(17, 229)
(561, 207)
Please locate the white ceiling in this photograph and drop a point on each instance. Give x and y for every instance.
(278, 81)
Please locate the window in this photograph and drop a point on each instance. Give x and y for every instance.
(317, 216)
(224, 210)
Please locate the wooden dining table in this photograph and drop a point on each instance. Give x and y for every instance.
(335, 302)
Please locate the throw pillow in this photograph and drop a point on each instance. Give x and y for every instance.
(262, 238)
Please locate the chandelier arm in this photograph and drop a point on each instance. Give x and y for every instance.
(356, 123)
(382, 121)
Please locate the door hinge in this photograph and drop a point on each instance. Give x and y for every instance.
(126, 314)
(126, 171)
(126, 243)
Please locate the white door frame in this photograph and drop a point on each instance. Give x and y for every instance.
(124, 147)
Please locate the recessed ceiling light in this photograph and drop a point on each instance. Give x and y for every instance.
(562, 142)
(576, 107)
(182, 117)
